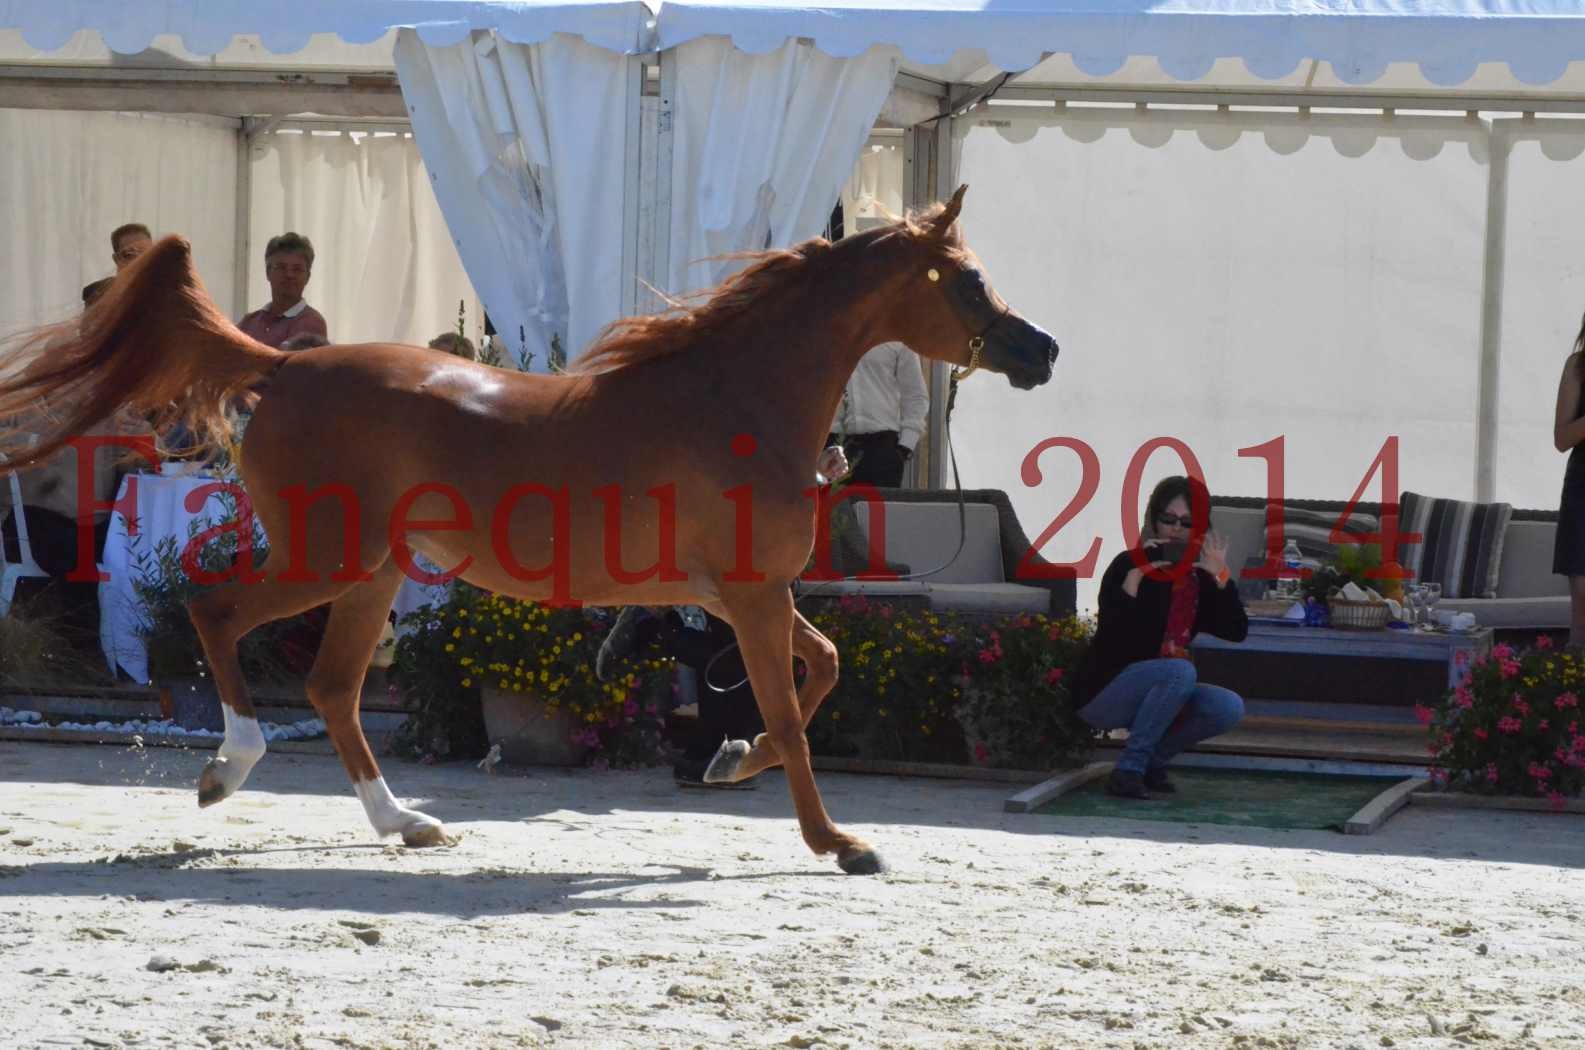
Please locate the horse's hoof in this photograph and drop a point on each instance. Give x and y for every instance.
(428, 833)
(211, 783)
(726, 762)
(861, 860)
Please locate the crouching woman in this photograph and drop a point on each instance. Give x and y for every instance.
(1137, 674)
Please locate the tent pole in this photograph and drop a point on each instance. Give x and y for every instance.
(630, 186)
(244, 221)
(1500, 146)
(941, 181)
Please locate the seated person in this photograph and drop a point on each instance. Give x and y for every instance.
(452, 343)
(126, 244)
(288, 265)
(1138, 672)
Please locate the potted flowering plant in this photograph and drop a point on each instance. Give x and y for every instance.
(897, 688)
(918, 685)
(1512, 725)
(1016, 710)
(528, 671)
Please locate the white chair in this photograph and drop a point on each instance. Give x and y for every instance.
(12, 573)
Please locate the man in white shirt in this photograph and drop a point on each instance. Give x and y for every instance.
(882, 416)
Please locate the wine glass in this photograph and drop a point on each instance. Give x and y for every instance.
(1433, 594)
(1414, 598)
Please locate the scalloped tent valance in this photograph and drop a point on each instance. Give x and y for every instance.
(1359, 39)
(285, 26)
(1448, 39)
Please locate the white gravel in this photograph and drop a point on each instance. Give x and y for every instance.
(607, 910)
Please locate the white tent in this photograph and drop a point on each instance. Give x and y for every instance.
(1187, 107)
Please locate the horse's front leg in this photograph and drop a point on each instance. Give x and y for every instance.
(764, 621)
(737, 760)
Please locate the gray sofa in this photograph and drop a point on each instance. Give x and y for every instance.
(922, 532)
(1529, 596)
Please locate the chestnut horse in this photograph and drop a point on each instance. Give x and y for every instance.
(686, 438)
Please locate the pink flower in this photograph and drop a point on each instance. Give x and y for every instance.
(1543, 641)
(1438, 775)
(1423, 713)
(1501, 651)
(1540, 772)
(1054, 676)
(1491, 772)
(630, 709)
(1519, 704)
(1461, 658)
(1508, 668)
(1509, 724)
(987, 656)
(1566, 700)
(1543, 724)
(1463, 699)
(1481, 734)
(982, 754)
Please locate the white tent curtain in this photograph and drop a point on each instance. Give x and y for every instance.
(873, 194)
(385, 269)
(67, 179)
(762, 144)
(1227, 296)
(526, 145)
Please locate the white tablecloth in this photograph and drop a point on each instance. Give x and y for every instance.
(161, 503)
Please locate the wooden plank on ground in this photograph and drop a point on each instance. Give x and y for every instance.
(892, 767)
(1467, 800)
(1031, 798)
(1374, 813)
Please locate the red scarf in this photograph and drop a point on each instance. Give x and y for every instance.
(1180, 615)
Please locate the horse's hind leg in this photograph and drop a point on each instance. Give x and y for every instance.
(334, 687)
(222, 616)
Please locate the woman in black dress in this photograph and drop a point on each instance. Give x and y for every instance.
(1568, 434)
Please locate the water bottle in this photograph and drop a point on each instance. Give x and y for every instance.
(1288, 573)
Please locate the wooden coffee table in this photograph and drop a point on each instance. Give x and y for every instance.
(1430, 646)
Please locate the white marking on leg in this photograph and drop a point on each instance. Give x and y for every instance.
(389, 816)
(242, 748)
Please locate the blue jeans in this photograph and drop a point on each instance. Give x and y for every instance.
(1165, 710)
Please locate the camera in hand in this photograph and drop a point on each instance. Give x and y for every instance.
(1171, 553)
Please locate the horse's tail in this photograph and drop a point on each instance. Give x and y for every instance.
(153, 346)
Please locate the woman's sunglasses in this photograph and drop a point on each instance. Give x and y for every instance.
(1187, 521)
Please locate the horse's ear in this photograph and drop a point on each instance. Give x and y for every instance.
(949, 215)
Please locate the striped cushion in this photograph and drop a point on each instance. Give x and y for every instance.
(1312, 529)
(1462, 547)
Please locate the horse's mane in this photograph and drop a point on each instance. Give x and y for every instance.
(694, 318)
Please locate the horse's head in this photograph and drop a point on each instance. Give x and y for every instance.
(952, 314)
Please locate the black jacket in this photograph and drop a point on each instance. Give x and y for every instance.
(1131, 629)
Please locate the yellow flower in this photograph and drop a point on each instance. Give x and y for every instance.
(449, 647)
(467, 682)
